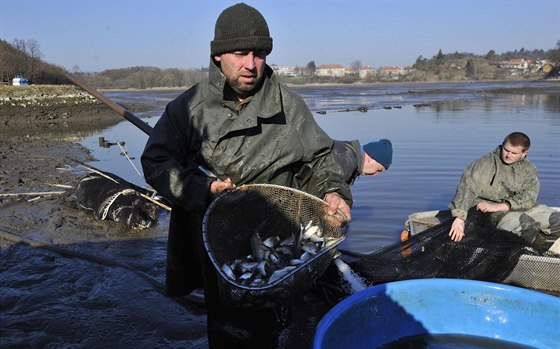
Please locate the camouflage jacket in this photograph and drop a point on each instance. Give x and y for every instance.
(489, 179)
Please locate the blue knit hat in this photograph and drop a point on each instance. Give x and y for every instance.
(381, 151)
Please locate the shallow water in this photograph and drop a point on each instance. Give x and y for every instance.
(432, 144)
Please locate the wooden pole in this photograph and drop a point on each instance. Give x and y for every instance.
(34, 193)
(114, 106)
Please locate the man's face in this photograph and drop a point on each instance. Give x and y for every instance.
(371, 167)
(512, 154)
(243, 70)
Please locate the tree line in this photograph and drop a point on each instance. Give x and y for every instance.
(144, 77)
(24, 57)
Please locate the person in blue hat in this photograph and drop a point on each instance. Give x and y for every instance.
(369, 160)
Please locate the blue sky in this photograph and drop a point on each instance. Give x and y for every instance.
(104, 34)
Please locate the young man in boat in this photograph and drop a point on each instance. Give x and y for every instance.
(504, 183)
(246, 127)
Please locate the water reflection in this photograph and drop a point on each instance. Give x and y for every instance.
(55, 133)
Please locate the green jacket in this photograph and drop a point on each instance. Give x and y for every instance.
(274, 139)
(489, 179)
(349, 157)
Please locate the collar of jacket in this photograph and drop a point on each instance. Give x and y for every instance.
(357, 149)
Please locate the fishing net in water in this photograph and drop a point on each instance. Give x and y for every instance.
(232, 220)
(485, 253)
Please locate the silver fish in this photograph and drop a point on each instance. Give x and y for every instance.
(310, 247)
(295, 262)
(309, 232)
(306, 256)
(316, 238)
(271, 241)
(228, 271)
(289, 241)
(258, 248)
(261, 269)
(280, 273)
(246, 266)
(246, 276)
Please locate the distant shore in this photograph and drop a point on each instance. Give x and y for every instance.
(27, 110)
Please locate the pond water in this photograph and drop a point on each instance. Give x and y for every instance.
(436, 130)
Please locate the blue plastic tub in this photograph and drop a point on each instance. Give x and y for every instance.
(386, 313)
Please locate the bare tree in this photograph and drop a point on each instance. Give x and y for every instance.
(19, 44)
(34, 49)
(35, 54)
(356, 66)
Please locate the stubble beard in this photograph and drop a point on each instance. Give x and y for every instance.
(243, 90)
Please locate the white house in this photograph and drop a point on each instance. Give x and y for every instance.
(20, 81)
(331, 70)
(515, 64)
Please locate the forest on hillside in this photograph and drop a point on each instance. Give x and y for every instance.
(24, 57)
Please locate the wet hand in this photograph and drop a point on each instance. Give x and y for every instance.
(335, 202)
(219, 186)
(457, 231)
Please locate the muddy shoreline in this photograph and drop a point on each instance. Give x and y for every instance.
(94, 283)
(37, 145)
(48, 249)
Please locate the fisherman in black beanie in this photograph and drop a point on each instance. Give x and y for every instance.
(240, 46)
(239, 126)
(240, 27)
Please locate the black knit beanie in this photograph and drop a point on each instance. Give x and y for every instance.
(240, 27)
